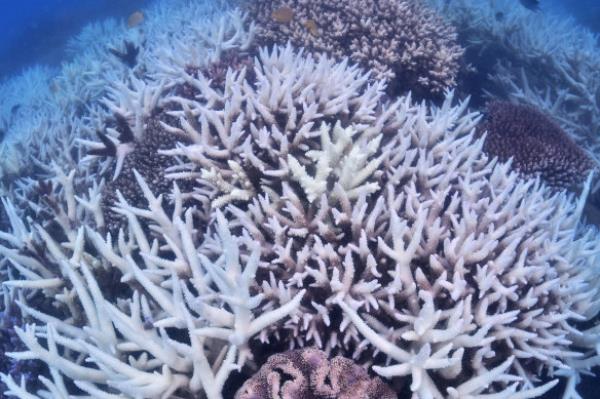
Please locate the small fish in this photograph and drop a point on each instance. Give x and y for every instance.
(499, 16)
(533, 5)
(283, 15)
(135, 19)
(312, 27)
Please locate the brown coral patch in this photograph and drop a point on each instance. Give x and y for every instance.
(537, 145)
(150, 164)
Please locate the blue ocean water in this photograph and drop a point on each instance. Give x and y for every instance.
(36, 32)
(587, 12)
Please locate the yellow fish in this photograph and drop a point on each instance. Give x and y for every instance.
(312, 27)
(283, 15)
(135, 19)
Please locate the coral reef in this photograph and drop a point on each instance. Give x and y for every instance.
(283, 202)
(334, 220)
(541, 59)
(536, 145)
(332, 217)
(403, 41)
(25, 370)
(307, 374)
(141, 155)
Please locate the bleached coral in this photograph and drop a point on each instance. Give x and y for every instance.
(433, 223)
(305, 209)
(43, 105)
(128, 341)
(282, 112)
(542, 59)
(25, 115)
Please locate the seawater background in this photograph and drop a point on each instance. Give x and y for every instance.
(36, 31)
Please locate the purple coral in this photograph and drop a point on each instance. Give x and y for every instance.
(536, 144)
(308, 374)
(403, 41)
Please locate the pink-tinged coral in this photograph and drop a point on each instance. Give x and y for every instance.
(403, 41)
(536, 144)
(309, 374)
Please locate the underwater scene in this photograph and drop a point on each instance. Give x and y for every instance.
(300, 199)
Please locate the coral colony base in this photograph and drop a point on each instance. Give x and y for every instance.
(220, 219)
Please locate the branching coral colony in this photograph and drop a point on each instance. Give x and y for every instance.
(553, 67)
(304, 209)
(402, 41)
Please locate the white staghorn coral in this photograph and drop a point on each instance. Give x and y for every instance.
(436, 226)
(124, 352)
(305, 209)
(291, 98)
(42, 110)
(343, 159)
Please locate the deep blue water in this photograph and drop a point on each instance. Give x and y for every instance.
(35, 31)
(587, 12)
